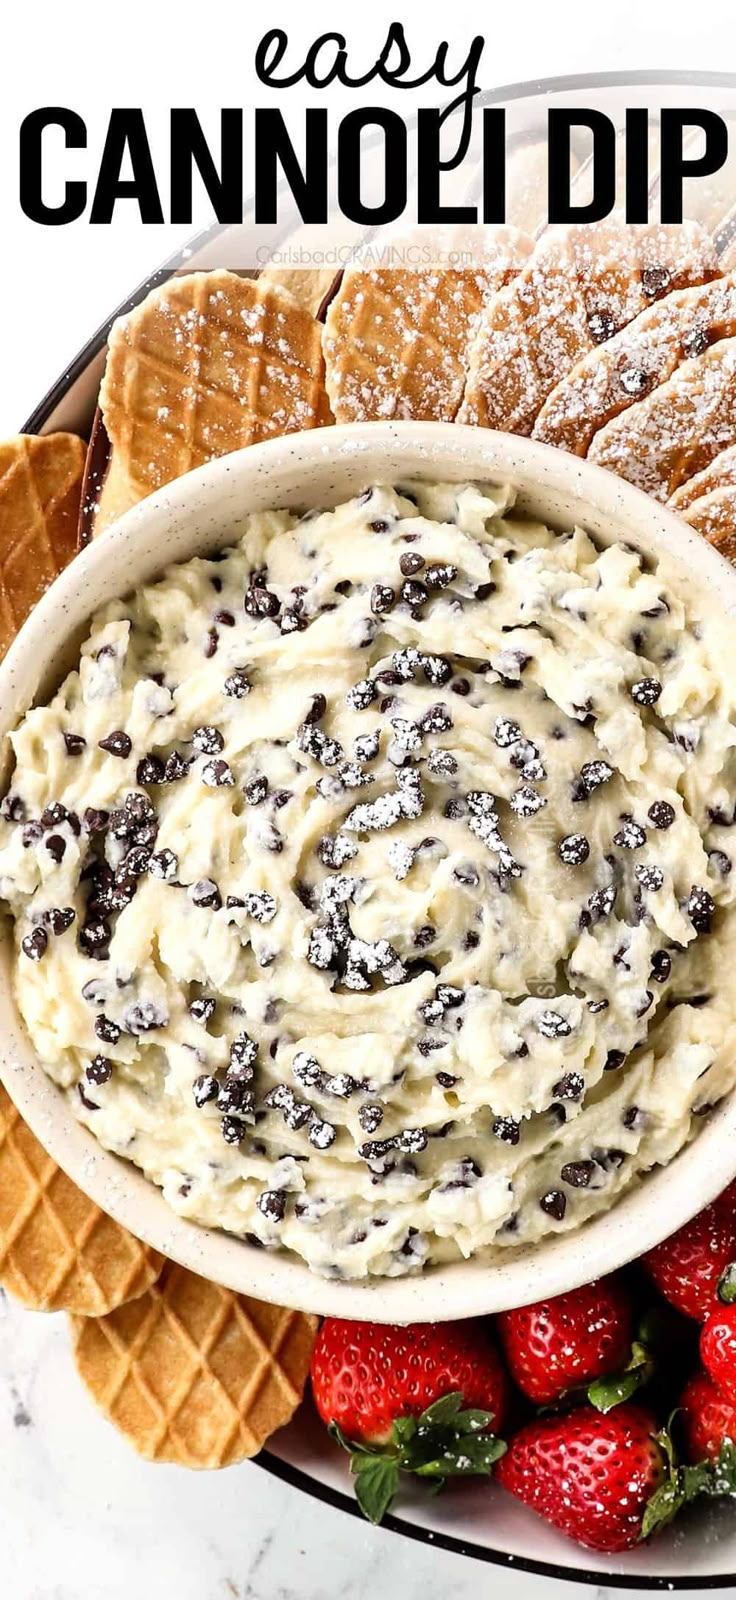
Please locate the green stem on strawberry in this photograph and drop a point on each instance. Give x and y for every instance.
(713, 1479)
(443, 1442)
(605, 1393)
(726, 1290)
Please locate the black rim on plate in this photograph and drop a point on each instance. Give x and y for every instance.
(296, 1477)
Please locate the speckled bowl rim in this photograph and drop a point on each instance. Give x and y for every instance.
(198, 513)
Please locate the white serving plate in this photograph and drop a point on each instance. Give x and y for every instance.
(701, 1552)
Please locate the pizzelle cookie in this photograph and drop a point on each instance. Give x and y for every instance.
(40, 494)
(714, 516)
(580, 287)
(59, 1251)
(396, 338)
(719, 474)
(630, 365)
(678, 429)
(206, 364)
(195, 1374)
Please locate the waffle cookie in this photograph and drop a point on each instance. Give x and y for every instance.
(714, 516)
(631, 364)
(678, 430)
(58, 1251)
(40, 493)
(719, 474)
(193, 1373)
(396, 339)
(580, 287)
(206, 364)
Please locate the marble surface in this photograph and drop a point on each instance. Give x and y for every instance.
(82, 1518)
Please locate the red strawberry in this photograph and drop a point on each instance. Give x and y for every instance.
(591, 1476)
(561, 1343)
(687, 1267)
(393, 1398)
(706, 1418)
(718, 1349)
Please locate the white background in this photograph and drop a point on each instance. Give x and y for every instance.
(80, 1518)
(58, 284)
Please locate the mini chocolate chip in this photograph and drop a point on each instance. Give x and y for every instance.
(661, 966)
(205, 893)
(700, 907)
(649, 876)
(370, 1117)
(150, 769)
(163, 865)
(94, 937)
(569, 1087)
(59, 918)
(216, 774)
(237, 685)
(117, 743)
(646, 692)
(315, 710)
(379, 525)
(56, 847)
(554, 1203)
(107, 1030)
(233, 1130)
(383, 597)
(507, 1129)
(661, 814)
(225, 619)
(205, 1089)
(34, 944)
(202, 1009)
(99, 1070)
(602, 326)
(655, 280)
(578, 1173)
(414, 593)
(631, 1117)
(631, 836)
(410, 563)
(256, 790)
(614, 1060)
(75, 743)
(272, 1204)
(261, 602)
(446, 1080)
(207, 740)
(574, 849)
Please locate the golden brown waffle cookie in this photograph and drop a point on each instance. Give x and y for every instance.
(307, 285)
(58, 1251)
(115, 498)
(719, 474)
(714, 516)
(631, 364)
(206, 364)
(665, 439)
(193, 1373)
(580, 287)
(396, 339)
(40, 491)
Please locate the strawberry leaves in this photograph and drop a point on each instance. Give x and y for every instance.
(683, 1484)
(606, 1393)
(444, 1442)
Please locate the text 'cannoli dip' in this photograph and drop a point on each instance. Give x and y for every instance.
(372, 880)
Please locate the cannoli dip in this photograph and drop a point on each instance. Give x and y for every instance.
(372, 880)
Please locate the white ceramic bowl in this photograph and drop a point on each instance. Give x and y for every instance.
(198, 514)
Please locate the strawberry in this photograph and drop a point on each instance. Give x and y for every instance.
(691, 1268)
(562, 1343)
(591, 1476)
(706, 1418)
(718, 1349)
(418, 1399)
